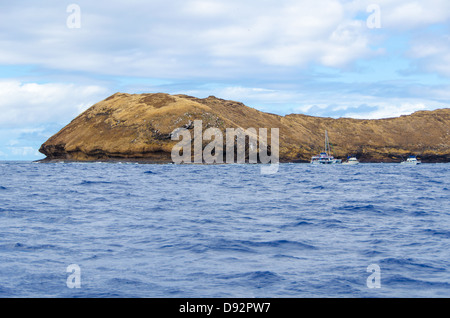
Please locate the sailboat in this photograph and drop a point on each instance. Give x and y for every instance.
(325, 157)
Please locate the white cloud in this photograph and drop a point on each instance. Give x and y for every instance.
(184, 38)
(432, 53)
(290, 33)
(391, 108)
(22, 104)
(24, 151)
(260, 49)
(207, 39)
(330, 103)
(408, 14)
(206, 8)
(401, 15)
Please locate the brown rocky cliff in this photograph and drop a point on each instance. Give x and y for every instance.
(139, 126)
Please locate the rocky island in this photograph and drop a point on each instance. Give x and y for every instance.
(138, 127)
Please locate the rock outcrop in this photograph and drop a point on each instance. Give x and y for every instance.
(138, 127)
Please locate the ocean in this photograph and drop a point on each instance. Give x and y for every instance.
(142, 230)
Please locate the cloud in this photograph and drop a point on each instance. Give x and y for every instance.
(388, 109)
(403, 15)
(289, 33)
(431, 53)
(23, 143)
(263, 53)
(32, 112)
(326, 99)
(367, 108)
(189, 38)
(24, 104)
(24, 151)
(212, 40)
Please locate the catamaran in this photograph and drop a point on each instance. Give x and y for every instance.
(324, 157)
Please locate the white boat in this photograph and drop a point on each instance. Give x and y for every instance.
(324, 157)
(412, 160)
(351, 161)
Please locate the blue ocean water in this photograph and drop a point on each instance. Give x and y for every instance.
(138, 230)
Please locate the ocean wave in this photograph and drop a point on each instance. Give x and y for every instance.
(410, 263)
(296, 224)
(244, 246)
(116, 282)
(88, 182)
(283, 244)
(402, 280)
(362, 207)
(24, 247)
(442, 233)
(226, 245)
(331, 223)
(258, 279)
(419, 213)
(371, 253)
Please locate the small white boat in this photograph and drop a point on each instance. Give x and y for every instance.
(351, 161)
(324, 157)
(412, 160)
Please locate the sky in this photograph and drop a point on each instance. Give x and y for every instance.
(330, 58)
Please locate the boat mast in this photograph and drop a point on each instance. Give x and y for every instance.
(326, 142)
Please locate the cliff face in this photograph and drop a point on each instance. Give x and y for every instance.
(139, 126)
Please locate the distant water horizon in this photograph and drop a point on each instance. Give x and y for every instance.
(164, 230)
